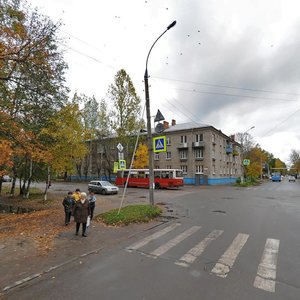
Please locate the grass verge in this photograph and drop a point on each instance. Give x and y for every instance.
(130, 214)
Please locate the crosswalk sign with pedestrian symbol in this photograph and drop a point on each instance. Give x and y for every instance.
(159, 144)
(122, 164)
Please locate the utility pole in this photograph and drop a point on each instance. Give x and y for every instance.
(149, 133)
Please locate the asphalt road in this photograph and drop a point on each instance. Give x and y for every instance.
(225, 243)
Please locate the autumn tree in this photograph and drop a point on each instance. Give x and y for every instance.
(32, 87)
(105, 141)
(125, 110)
(246, 141)
(66, 136)
(141, 160)
(90, 118)
(257, 158)
(295, 160)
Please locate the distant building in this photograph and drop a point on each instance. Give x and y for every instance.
(205, 155)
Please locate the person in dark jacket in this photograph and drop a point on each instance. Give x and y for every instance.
(81, 211)
(68, 203)
(92, 199)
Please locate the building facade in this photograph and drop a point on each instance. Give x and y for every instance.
(203, 153)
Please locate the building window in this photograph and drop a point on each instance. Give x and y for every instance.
(183, 139)
(199, 137)
(213, 138)
(184, 169)
(168, 167)
(199, 169)
(183, 154)
(168, 141)
(156, 156)
(168, 155)
(156, 167)
(198, 153)
(214, 169)
(213, 154)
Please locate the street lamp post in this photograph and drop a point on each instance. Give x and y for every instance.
(149, 133)
(242, 152)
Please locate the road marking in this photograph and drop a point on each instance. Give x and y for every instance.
(187, 259)
(266, 272)
(172, 243)
(152, 237)
(225, 263)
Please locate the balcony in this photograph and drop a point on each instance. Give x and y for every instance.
(199, 144)
(182, 146)
(229, 149)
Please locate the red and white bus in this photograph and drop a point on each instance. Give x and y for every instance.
(163, 178)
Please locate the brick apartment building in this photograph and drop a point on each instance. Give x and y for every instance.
(205, 155)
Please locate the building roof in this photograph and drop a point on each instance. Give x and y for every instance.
(186, 126)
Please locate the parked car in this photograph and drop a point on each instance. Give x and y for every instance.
(292, 178)
(102, 187)
(6, 178)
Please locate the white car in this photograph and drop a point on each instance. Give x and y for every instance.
(6, 178)
(292, 178)
(102, 187)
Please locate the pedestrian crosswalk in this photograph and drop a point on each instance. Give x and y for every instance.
(265, 278)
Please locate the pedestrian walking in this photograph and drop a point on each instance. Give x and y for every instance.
(68, 203)
(81, 212)
(77, 195)
(92, 200)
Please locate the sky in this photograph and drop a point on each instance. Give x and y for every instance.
(230, 64)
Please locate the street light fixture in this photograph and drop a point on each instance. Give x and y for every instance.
(149, 135)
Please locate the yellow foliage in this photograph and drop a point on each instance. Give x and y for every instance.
(141, 160)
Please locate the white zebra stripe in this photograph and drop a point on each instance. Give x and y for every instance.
(187, 259)
(152, 237)
(172, 243)
(266, 272)
(225, 263)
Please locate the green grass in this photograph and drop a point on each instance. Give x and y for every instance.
(130, 214)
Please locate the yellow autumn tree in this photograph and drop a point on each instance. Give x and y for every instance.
(257, 158)
(67, 135)
(141, 160)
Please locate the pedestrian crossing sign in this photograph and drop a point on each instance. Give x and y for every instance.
(122, 164)
(246, 162)
(159, 144)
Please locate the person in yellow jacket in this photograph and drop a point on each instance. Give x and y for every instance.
(77, 195)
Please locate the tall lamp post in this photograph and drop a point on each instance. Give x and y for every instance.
(242, 156)
(149, 133)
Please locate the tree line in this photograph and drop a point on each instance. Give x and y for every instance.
(42, 130)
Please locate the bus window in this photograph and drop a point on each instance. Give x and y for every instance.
(165, 174)
(178, 173)
(142, 174)
(157, 174)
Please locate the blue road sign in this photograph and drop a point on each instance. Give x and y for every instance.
(159, 144)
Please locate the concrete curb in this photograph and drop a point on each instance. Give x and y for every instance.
(29, 278)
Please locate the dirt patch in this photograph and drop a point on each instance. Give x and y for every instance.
(38, 227)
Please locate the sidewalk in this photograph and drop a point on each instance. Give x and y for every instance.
(21, 261)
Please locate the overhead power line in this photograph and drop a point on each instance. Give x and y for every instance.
(226, 86)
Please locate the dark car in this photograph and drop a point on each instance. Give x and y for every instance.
(102, 187)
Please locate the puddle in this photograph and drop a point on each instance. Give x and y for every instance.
(219, 211)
